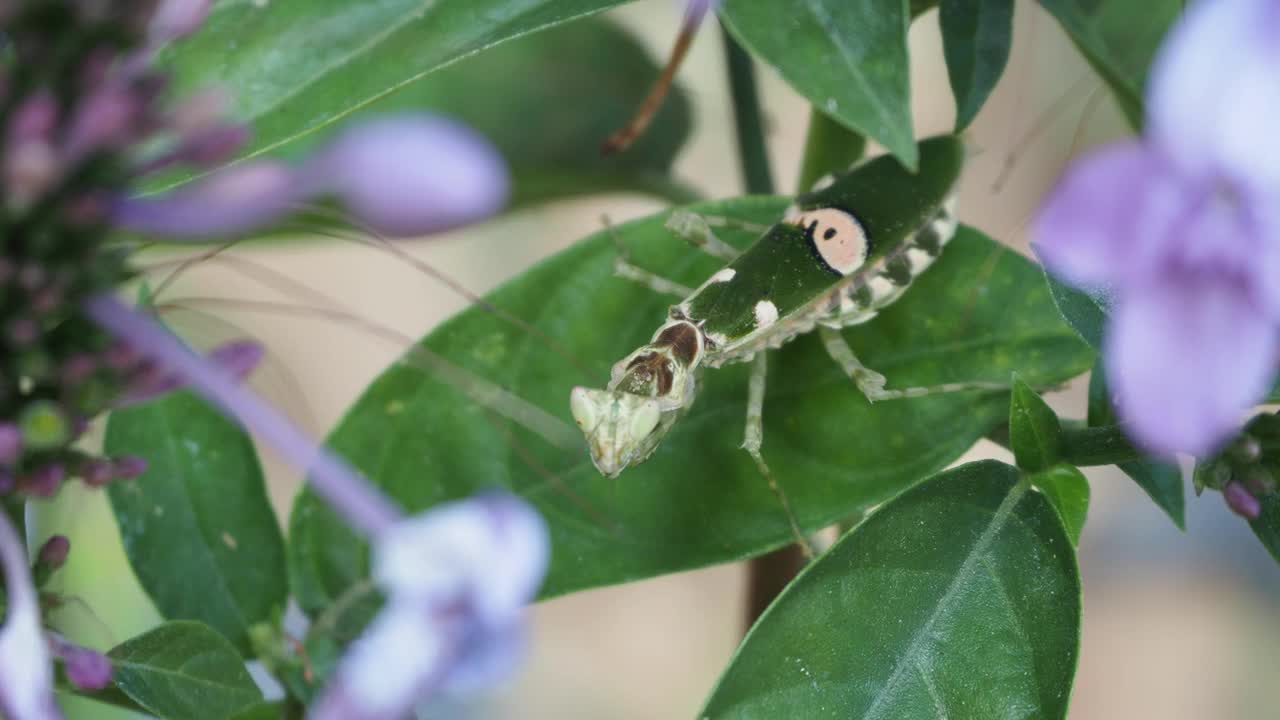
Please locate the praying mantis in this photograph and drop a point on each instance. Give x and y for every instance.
(838, 256)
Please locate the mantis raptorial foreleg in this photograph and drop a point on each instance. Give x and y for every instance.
(754, 436)
(624, 268)
(871, 383)
(696, 230)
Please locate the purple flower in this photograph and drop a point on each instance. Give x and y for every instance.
(457, 581)
(1181, 228)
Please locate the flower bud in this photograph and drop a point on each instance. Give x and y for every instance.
(129, 467)
(412, 175)
(10, 443)
(98, 472)
(44, 425)
(87, 669)
(54, 551)
(44, 481)
(1241, 501)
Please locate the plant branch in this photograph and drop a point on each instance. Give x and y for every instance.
(748, 119)
(829, 147)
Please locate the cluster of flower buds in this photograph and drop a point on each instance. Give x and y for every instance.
(75, 102)
(83, 118)
(1246, 470)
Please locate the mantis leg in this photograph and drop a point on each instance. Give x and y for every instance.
(624, 268)
(871, 383)
(754, 436)
(696, 230)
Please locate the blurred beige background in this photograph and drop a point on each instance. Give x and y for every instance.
(1176, 626)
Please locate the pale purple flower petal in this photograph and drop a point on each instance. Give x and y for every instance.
(1105, 219)
(174, 19)
(1214, 95)
(26, 676)
(363, 507)
(493, 547)
(1186, 358)
(457, 579)
(397, 659)
(411, 174)
(231, 201)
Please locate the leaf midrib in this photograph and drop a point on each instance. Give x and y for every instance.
(851, 62)
(915, 650)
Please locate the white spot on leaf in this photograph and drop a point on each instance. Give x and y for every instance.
(724, 275)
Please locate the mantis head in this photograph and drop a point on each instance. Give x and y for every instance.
(622, 428)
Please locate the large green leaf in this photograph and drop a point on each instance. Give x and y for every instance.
(1267, 525)
(184, 671)
(297, 66)
(960, 599)
(976, 36)
(1120, 39)
(1161, 481)
(980, 313)
(848, 57)
(198, 527)
(574, 86)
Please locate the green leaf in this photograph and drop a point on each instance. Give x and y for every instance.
(185, 671)
(976, 36)
(848, 57)
(297, 66)
(1267, 524)
(198, 527)
(959, 599)
(1120, 39)
(261, 711)
(1035, 435)
(1086, 313)
(1161, 481)
(978, 314)
(1068, 490)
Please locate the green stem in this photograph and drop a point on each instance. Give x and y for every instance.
(829, 147)
(752, 153)
(1105, 445)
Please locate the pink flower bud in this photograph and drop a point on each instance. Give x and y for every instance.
(54, 552)
(87, 669)
(1241, 501)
